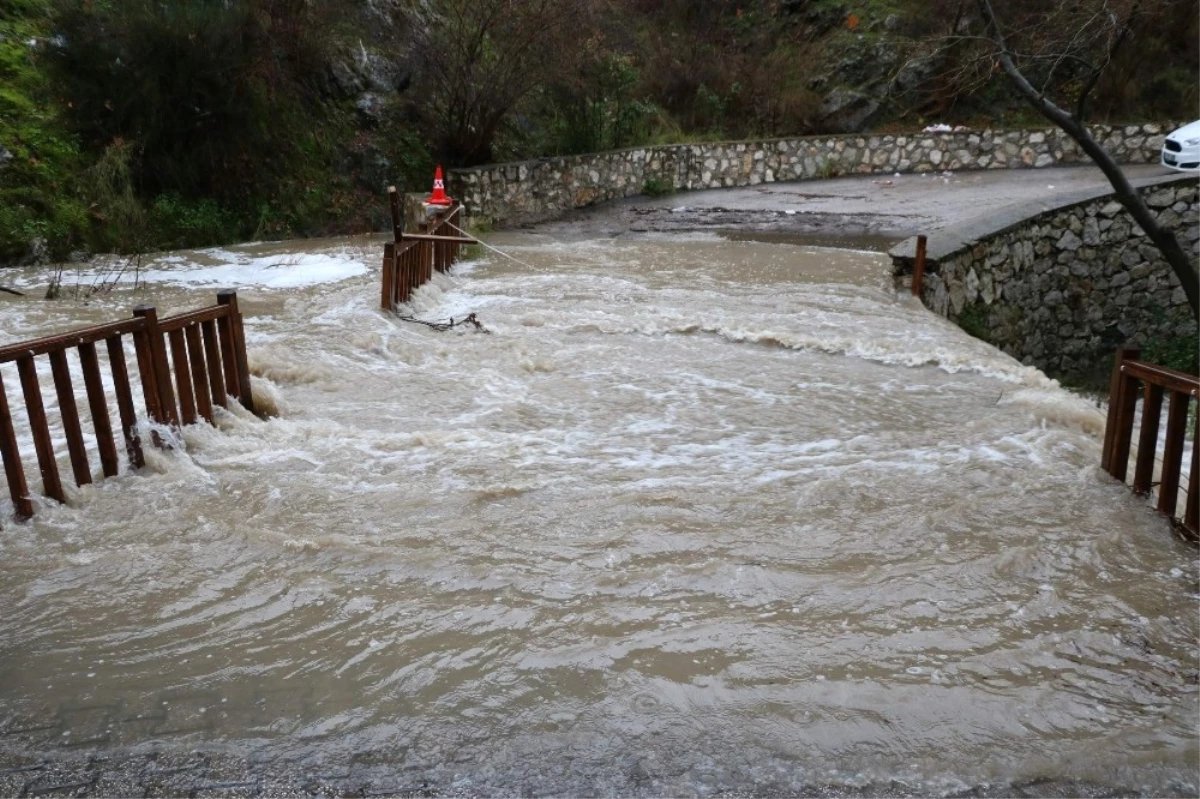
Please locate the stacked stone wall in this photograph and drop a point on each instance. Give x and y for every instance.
(1061, 289)
(535, 191)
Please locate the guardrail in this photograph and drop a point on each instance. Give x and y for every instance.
(1129, 375)
(410, 260)
(206, 364)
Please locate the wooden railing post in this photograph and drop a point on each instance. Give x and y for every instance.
(1191, 515)
(98, 406)
(11, 456)
(116, 362)
(1143, 472)
(404, 275)
(42, 445)
(241, 368)
(1168, 487)
(183, 377)
(397, 215)
(212, 355)
(152, 355)
(1115, 403)
(69, 412)
(195, 353)
(1122, 403)
(387, 294)
(918, 275)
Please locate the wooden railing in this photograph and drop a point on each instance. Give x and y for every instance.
(1130, 378)
(410, 260)
(206, 365)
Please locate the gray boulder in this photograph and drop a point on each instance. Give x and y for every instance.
(847, 110)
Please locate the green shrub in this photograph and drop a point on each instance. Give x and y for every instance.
(974, 321)
(215, 94)
(38, 194)
(1181, 352)
(657, 187)
(176, 222)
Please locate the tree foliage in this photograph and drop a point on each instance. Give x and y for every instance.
(200, 88)
(476, 60)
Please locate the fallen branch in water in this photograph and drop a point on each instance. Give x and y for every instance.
(12, 291)
(468, 319)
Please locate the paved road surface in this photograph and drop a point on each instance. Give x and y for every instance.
(869, 211)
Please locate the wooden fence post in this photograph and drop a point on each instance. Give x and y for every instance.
(1168, 487)
(17, 489)
(387, 298)
(1143, 470)
(397, 215)
(918, 275)
(101, 423)
(228, 297)
(42, 444)
(69, 412)
(1126, 403)
(1114, 390)
(116, 362)
(195, 353)
(152, 355)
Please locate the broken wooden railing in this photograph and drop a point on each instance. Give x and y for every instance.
(1130, 378)
(410, 259)
(186, 364)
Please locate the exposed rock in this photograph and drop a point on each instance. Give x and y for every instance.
(370, 108)
(37, 254)
(1069, 241)
(5, 156)
(847, 110)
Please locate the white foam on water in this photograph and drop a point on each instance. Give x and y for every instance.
(653, 508)
(269, 272)
(235, 269)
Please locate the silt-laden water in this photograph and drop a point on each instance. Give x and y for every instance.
(695, 515)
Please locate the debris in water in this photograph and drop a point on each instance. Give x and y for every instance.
(468, 319)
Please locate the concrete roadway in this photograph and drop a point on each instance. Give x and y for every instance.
(870, 211)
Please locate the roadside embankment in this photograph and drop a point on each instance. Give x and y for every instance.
(1060, 284)
(543, 189)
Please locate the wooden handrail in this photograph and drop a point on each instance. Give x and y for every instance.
(187, 364)
(410, 259)
(1155, 383)
(180, 321)
(1169, 379)
(48, 344)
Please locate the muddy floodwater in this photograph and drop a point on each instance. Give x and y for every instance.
(694, 516)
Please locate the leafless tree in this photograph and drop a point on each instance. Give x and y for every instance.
(1055, 54)
(477, 59)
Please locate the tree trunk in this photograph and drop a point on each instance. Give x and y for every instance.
(1181, 264)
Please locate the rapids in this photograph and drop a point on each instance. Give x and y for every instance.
(695, 515)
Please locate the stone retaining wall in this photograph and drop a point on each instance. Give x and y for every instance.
(534, 191)
(1062, 287)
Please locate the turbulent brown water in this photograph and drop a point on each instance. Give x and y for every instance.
(695, 515)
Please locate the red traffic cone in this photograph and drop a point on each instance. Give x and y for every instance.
(439, 191)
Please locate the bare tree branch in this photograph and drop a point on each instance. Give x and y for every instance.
(1124, 192)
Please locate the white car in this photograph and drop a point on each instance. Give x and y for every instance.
(1181, 150)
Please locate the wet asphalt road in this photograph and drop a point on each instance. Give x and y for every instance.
(867, 211)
